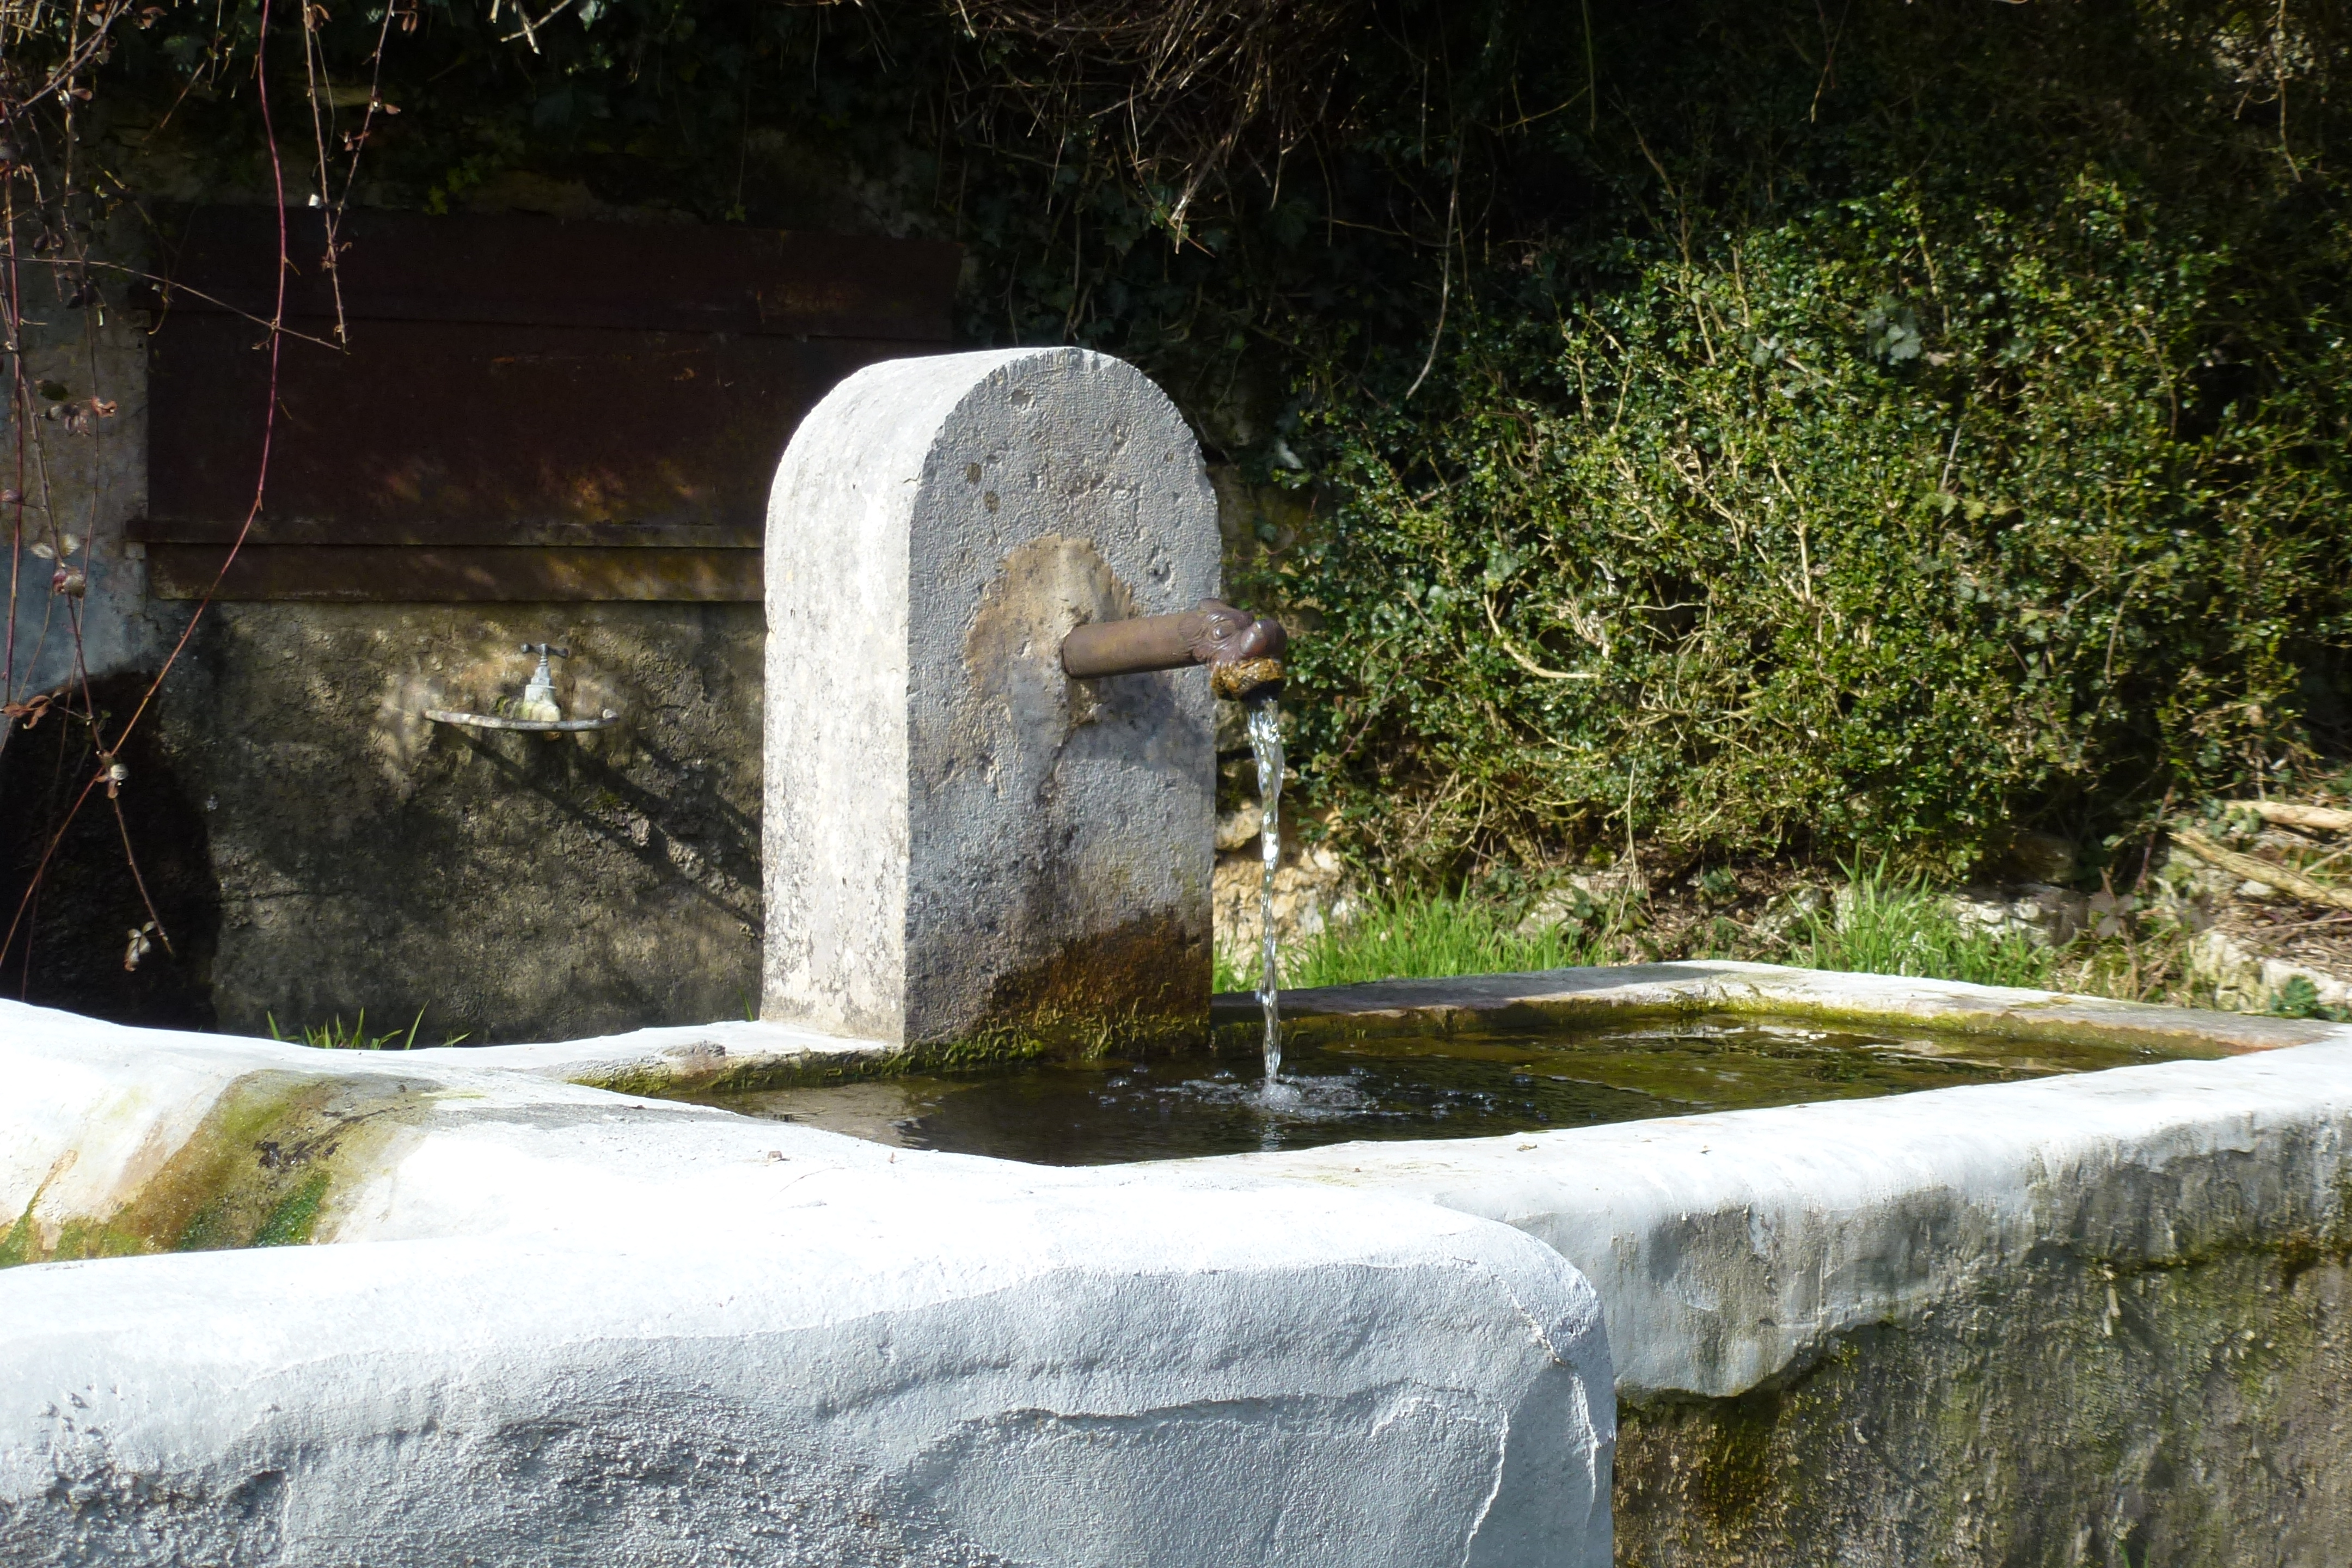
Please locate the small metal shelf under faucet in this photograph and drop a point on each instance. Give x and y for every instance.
(535, 709)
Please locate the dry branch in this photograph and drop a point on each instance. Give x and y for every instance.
(2263, 871)
(1186, 85)
(1523, 661)
(2319, 818)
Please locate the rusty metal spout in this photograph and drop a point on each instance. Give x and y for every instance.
(1243, 656)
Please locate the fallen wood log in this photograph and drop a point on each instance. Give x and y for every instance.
(2268, 873)
(2321, 818)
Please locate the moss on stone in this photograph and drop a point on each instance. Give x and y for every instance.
(2168, 1032)
(2068, 1410)
(17, 1241)
(259, 1170)
(1049, 1036)
(698, 1075)
(296, 1215)
(1735, 1482)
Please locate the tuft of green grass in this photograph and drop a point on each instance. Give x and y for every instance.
(336, 1036)
(1882, 925)
(1423, 937)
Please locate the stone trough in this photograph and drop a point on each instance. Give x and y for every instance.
(539, 1322)
(2097, 1319)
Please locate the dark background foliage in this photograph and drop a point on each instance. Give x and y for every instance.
(1751, 425)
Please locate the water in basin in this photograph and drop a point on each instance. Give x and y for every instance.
(1460, 1086)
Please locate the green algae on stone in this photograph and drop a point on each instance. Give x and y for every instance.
(1530, 1004)
(2067, 1411)
(258, 1171)
(695, 1074)
(296, 1214)
(17, 1241)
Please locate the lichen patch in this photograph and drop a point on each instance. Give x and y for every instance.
(261, 1169)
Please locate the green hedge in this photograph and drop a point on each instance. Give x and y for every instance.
(1886, 525)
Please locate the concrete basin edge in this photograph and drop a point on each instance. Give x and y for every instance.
(567, 1325)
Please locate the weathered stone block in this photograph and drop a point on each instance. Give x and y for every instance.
(550, 1326)
(958, 838)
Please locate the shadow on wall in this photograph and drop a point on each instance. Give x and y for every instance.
(74, 945)
(509, 885)
(654, 807)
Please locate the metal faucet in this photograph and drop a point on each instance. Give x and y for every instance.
(539, 692)
(1243, 656)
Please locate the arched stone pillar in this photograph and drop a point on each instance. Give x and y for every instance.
(959, 840)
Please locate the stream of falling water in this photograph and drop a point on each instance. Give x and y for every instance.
(1266, 745)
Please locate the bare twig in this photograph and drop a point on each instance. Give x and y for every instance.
(1444, 282)
(2268, 873)
(1188, 85)
(2321, 818)
(1522, 661)
(529, 30)
(145, 898)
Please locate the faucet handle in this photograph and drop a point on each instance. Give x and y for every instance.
(1225, 635)
(546, 650)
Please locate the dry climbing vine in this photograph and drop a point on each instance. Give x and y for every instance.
(54, 199)
(1181, 89)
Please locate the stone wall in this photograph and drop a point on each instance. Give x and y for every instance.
(85, 476)
(322, 849)
(2072, 1410)
(509, 885)
(313, 846)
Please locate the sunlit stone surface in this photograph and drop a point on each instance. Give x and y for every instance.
(2104, 1318)
(958, 838)
(568, 1326)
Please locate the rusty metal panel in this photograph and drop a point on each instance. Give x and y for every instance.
(438, 574)
(599, 393)
(531, 271)
(449, 429)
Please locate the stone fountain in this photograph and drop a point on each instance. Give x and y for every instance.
(967, 837)
(287, 1306)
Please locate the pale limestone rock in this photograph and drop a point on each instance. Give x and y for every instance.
(1580, 895)
(1240, 827)
(957, 836)
(2246, 979)
(1311, 893)
(2051, 916)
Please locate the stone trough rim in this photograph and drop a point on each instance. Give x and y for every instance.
(1574, 997)
(741, 1056)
